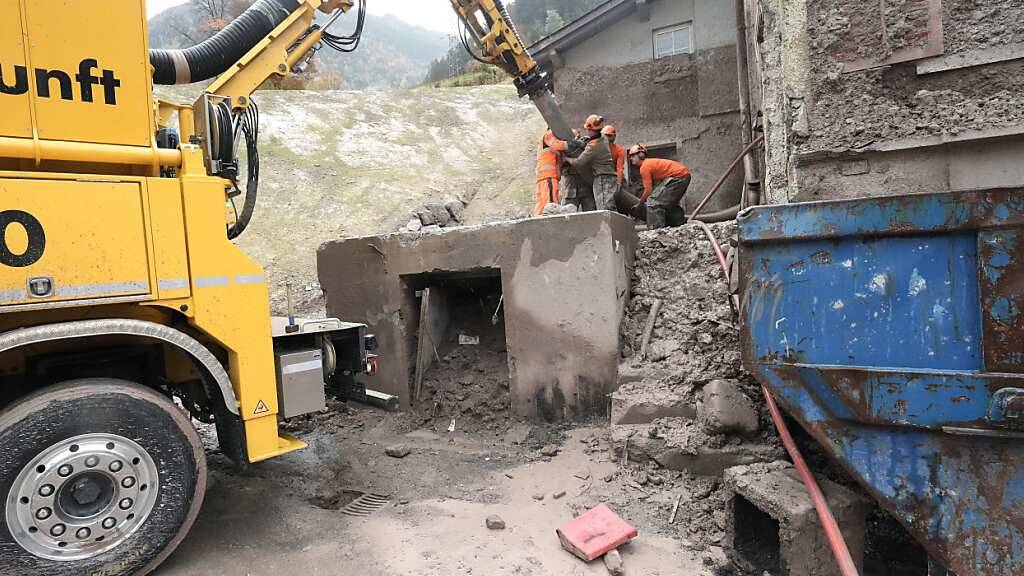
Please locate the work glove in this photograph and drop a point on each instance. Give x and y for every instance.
(576, 147)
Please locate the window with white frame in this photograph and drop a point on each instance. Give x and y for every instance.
(673, 40)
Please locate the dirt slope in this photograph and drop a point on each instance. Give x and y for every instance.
(353, 163)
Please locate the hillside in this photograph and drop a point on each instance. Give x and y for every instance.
(392, 54)
(348, 163)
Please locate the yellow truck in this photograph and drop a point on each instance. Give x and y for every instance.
(125, 309)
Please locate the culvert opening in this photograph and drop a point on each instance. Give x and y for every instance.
(461, 369)
(756, 537)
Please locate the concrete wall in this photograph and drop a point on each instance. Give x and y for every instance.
(631, 40)
(689, 100)
(564, 283)
(926, 98)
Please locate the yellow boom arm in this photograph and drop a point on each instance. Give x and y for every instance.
(492, 30)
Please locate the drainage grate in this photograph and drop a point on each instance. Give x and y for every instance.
(365, 505)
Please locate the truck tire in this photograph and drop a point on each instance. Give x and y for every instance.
(97, 476)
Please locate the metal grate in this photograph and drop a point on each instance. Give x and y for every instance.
(365, 505)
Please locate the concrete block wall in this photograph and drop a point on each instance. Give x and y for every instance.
(771, 523)
(565, 285)
(927, 96)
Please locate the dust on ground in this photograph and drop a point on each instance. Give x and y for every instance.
(284, 516)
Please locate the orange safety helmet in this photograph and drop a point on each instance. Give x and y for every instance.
(637, 149)
(609, 130)
(594, 122)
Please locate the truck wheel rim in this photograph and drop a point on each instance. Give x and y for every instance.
(81, 497)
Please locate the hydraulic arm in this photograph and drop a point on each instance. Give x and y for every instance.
(495, 37)
(277, 37)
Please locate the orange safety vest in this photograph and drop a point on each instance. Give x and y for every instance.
(549, 156)
(619, 155)
(655, 170)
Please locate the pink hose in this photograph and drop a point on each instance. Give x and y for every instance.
(835, 537)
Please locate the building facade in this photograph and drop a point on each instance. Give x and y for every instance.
(866, 98)
(664, 72)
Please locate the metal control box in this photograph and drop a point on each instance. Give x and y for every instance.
(300, 382)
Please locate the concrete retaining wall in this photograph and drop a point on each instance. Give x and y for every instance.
(565, 281)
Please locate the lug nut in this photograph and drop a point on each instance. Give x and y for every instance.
(83, 533)
(109, 523)
(46, 490)
(116, 466)
(57, 531)
(65, 471)
(128, 482)
(91, 462)
(43, 513)
(125, 503)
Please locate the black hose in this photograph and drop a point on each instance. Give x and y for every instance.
(218, 53)
(249, 125)
(720, 216)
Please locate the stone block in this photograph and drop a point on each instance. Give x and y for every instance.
(772, 525)
(441, 215)
(457, 210)
(725, 409)
(682, 444)
(643, 403)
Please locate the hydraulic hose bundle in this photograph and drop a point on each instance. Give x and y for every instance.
(347, 43)
(249, 126)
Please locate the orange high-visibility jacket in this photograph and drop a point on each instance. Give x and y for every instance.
(656, 169)
(619, 154)
(549, 156)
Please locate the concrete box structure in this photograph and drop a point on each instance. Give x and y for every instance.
(564, 284)
(686, 104)
(772, 524)
(860, 99)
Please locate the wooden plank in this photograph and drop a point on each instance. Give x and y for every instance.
(423, 347)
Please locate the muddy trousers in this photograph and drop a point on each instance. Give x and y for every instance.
(604, 192)
(547, 193)
(664, 202)
(570, 190)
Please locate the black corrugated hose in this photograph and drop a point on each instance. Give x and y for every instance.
(216, 54)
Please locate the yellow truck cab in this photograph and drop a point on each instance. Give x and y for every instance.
(125, 309)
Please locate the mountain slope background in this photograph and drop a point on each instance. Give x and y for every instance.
(337, 164)
(392, 54)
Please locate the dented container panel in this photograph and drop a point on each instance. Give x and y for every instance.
(890, 328)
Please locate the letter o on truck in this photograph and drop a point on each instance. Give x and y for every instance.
(36, 239)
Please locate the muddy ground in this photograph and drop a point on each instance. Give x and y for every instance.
(284, 516)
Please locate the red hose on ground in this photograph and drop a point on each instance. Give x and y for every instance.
(835, 537)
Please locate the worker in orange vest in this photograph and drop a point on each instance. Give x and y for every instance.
(665, 183)
(618, 152)
(549, 170)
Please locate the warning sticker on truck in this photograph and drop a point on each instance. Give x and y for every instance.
(261, 408)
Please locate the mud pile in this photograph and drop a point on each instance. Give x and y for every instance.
(687, 406)
(468, 381)
(696, 337)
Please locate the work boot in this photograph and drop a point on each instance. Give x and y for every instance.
(675, 216)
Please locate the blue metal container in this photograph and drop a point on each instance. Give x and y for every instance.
(892, 329)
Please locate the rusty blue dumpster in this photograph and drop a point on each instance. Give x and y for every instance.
(892, 329)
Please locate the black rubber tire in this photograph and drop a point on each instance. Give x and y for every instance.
(53, 414)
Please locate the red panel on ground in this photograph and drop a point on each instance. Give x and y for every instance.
(595, 532)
